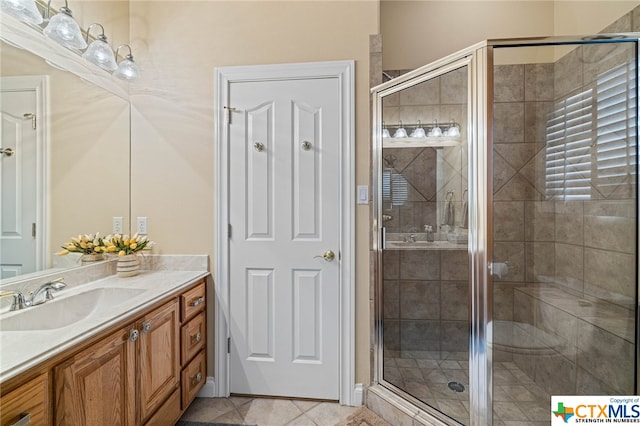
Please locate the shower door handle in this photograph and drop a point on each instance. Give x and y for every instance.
(499, 269)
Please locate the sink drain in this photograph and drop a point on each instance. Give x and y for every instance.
(456, 386)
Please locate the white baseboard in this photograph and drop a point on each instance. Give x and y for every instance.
(358, 395)
(209, 389)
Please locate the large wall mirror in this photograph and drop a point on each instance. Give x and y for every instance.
(64, 164)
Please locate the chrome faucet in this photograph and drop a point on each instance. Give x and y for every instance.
(46, 289)
(410, 238)
(41, 295)
(19, 301)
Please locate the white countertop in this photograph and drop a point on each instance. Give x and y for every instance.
(22, 350)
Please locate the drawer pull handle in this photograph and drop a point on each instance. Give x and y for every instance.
(146, 327)
(197, 337)
(133, 335)
(25, 419)
(197, 378)
(197, 302)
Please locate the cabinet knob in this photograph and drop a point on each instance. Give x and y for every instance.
(198, 301)
(133, 335)
(197, 378)
(146, 327)
(197, 337)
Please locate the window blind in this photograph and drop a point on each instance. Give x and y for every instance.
(591, 138)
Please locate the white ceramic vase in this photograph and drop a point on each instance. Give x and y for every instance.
(128, 265)
(89, 258)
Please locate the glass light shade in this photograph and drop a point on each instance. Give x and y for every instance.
(453, 131)
(24, 10)
(63, 29)
(127, 69)
(436, 131)
(400, 133)
(418, 133)
(385, 133)
(100, 53)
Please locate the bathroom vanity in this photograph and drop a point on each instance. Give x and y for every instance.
(135, 358)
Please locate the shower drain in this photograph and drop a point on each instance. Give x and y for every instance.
(456, 386)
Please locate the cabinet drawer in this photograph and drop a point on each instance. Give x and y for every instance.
(192, 301)
(193, 377)
(29, 399)
(193, 337)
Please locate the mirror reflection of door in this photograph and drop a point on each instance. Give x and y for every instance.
(18, 182)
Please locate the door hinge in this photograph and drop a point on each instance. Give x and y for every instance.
(228, 345)
(33, 230)
(229, 110)
(229, 231)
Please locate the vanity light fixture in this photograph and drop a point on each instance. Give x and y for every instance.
(99, 52)
(63, 29)
(24, 10)
(127, 69)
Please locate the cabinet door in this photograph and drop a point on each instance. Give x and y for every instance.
(97, 386)
(159, 357)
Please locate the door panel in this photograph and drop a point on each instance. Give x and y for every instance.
(284, 213)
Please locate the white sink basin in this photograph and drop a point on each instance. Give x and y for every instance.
(59, 313)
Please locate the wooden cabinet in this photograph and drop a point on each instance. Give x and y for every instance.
(145, 370)
(29, 402)
(97, 385)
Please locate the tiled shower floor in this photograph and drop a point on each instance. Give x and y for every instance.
(518, 401)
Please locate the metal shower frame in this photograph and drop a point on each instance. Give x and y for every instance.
(479, 59)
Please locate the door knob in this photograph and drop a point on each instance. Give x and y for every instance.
(6, 151)
(327, 256)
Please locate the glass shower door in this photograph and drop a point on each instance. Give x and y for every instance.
(564, 273)
(424, 211)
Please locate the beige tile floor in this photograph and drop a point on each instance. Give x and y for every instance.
(266, 412)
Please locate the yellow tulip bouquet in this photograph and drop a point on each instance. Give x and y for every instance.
(123, 245)
(85, 244)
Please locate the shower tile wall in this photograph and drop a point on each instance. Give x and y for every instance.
(569, 295)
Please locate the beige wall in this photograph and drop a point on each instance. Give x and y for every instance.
(178, 45)
(415, 33)
(588, 17)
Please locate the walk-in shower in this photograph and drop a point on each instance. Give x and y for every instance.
(506, 229)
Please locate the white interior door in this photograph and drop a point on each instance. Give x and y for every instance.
(18, 183)
(284, 211)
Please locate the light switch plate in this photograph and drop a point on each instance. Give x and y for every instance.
(142, 226)
(117, 225)
(363, 194)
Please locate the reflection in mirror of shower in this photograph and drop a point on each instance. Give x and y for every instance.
(395, 188)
